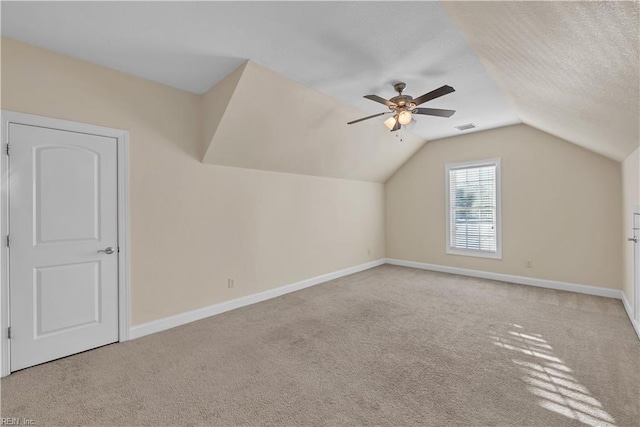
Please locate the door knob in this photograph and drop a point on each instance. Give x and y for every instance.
(633, 239)
(107, 251)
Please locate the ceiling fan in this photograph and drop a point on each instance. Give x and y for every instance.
(403, 107)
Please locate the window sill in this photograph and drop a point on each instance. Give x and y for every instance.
(472, 253)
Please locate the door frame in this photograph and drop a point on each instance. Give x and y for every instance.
(124, 295)
(635, 310)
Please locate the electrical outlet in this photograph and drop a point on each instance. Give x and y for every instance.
(230, 283)
(529, 264)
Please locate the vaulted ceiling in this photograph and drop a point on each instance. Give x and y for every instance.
(570, 69)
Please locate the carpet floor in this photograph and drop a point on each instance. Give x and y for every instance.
(388, 346)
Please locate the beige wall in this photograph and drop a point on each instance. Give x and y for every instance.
(560, 207)
(630, 200)
(195, 225)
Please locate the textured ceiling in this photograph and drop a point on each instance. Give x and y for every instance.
(343, 49)
(569, 68)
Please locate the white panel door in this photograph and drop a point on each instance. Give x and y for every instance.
(62, 212)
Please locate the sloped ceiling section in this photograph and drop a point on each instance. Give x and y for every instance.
(258, 119)
(213, 105)
(569, 68)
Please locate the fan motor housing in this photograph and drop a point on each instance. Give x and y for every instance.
(403, 101)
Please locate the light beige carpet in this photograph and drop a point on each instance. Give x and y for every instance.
(389, 346)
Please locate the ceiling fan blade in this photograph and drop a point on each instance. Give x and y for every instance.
(369, 117)
(380, 99)
(397, 125)
(436, 93)
(434, 112)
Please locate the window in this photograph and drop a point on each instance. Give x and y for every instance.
(473, 209)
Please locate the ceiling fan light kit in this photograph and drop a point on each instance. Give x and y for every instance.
(404, 117)
(403, 107)
(390, 122)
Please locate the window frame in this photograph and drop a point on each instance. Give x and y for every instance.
(468, 165)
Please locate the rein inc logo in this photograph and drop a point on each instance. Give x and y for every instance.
(16, 422)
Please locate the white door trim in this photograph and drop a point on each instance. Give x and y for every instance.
(636, 274)
(122, 138)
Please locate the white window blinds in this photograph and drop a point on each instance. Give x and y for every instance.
(473, 215)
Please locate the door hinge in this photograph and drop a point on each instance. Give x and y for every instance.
(7, 149)
(8, 241)
(9, 332)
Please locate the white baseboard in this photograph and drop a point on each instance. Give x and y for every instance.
(627, 307)
(522, 280)
(152, 327)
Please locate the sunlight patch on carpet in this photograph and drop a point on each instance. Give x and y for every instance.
(548, 378)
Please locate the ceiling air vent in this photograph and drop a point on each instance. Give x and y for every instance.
(465, 127)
